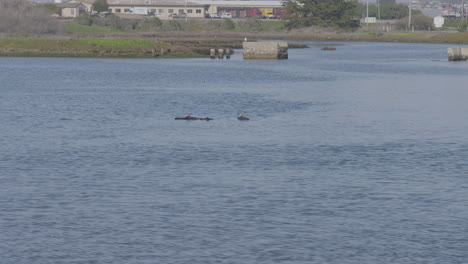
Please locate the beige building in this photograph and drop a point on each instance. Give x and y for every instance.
(238, 8)
(87, 3)
(158, 8)
(72, 9)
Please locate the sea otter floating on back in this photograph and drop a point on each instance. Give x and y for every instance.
(243, 117)
(189, 117)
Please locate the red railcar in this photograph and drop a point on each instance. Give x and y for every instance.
(254, 12)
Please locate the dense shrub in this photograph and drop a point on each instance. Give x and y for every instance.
(84, 20)
(155, 22)
(228, 24)
(171, 25)
(251, 24)
(462, 26)
(114, 22)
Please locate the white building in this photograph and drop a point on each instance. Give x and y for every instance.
(159, 8)
(438, 21)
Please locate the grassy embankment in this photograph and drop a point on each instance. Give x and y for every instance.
(192, 39)
(109, 42)
(91, 47)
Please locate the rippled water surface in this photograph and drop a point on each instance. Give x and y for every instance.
(358, 155)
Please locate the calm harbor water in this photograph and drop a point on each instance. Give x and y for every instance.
(358, 155)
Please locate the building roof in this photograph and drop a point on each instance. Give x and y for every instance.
(149, 2)
(156, 3)
(241, 3)
(69, 5)
(81, 1)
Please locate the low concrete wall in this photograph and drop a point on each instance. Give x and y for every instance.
(265, 50)
(457, 54)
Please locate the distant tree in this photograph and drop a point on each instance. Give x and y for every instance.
(52, 8)
(326, 13)
(100, 6)
(387, 2)
(391, 11)
(396, 11)
(418, 21)
(422, 22)
(21, 16)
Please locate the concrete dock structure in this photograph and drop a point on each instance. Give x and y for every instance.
(457, 54)
(265, 50)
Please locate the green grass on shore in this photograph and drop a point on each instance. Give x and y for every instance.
(406, 35)
(104, 55)
(454, 38)
(90, 47)
(79, 43)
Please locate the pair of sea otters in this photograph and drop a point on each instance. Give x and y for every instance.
(189, 117)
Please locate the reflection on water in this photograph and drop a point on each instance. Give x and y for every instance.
(351, 156)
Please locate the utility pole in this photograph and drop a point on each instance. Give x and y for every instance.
(367, 15)
(462, 12)
(409, 17)
(378, 9)
(186, 13)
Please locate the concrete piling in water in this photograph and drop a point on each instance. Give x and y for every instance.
(457, 54)
(212, 54)
(265, 50)
(221, 54)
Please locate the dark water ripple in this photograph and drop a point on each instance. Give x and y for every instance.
(347, 158)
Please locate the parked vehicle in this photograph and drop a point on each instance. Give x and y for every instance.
(139, 11)
(215, 15)
(226, 15)
(266, 12)
(178, 15)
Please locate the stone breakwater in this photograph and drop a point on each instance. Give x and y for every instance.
(265, 50)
